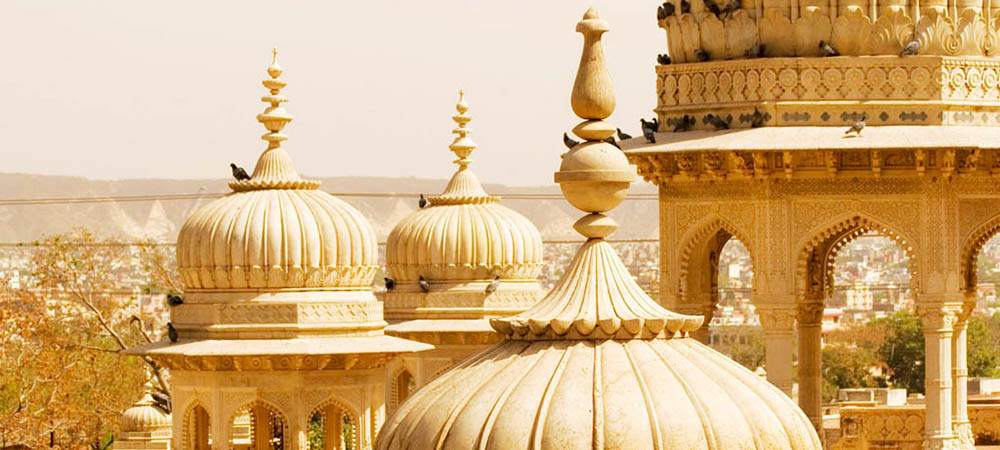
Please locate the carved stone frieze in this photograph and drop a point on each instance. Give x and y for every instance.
(792, 29)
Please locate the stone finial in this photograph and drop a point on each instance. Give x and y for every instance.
(274, 118)
(462, 145)
(593, 94)
(274, 169)
(594, 175)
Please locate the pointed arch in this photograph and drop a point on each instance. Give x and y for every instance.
(972, 245)
(698, 237)
(259, 405)
(196, 427)
(403, 385)
(336, 412)
(818, 251)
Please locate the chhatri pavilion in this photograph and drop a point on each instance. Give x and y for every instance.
(755, 148)
(479, 260)
(280, 328)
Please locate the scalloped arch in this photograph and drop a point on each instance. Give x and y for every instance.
(835, 234)
(256, 401)
(352, 414)
(713, 224)
(188, 435)
(972, 244)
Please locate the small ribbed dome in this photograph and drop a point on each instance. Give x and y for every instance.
(464, 234)
(145, 416)
(276, 230)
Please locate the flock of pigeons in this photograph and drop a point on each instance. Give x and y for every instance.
(667, 9)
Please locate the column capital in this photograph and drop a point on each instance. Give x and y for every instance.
(939, 317)
(777, 319)
(810, 313)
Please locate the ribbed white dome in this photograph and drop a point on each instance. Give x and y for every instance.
(475, 240)
(144, 416)
(276, 230)
(276, 238)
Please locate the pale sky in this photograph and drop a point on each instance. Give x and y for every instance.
(135, 89)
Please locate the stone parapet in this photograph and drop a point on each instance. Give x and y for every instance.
(902, 427)
(853, 27)
(891, 90)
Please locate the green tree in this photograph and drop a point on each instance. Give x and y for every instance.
(847, 366)
(983, 350)
(903, 350)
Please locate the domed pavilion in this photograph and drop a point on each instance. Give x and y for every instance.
(597, 364)
(452, 265)
(279, 328)
(144, 426)
(796, 126)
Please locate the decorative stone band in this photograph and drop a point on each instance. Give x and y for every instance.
(254, 185)
(464, 301)
(811, 163)
(277, 315)
(832, 91)
(858, 28)
(227, 363)
(254, 277)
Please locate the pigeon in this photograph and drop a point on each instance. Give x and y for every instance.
(665, 10)
(493, 285)
(713, 7)
(684, 124)
(701, 55)
(174, 300)
(685, 7)
(717, 122)
(422, 202)
(756, 51)
(390, 284)
(570, 142)
(757, 119)
(424, 285)
(827, 50)
(623, 136)
(649, 129)
(171, 332)
(663, 59)
(611, 140)
(161, 400)
(911, 49)
(239, 173)
(858, 126)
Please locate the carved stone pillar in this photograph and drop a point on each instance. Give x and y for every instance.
(778, 324)
(261, 429)
(938, 320)
(960, 374)
(333, 428)
(810, 319)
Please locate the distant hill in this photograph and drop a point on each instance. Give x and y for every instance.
(162, 219)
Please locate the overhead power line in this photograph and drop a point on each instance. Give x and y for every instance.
(172, 244)
(172, 197)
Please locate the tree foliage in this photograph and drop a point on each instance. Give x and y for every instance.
(62, 378)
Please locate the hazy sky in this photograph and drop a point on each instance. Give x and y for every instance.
(135, 89)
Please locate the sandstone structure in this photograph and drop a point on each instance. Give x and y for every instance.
(597, 364)
(478, 260)
(760, 153)
(279, 324)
